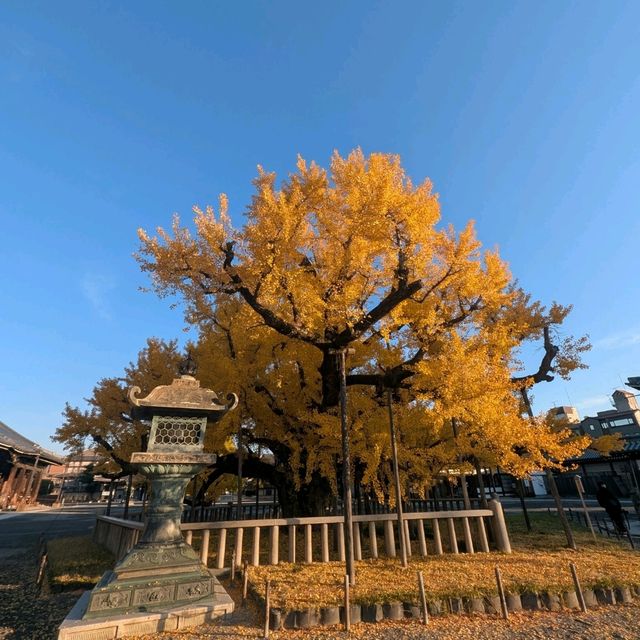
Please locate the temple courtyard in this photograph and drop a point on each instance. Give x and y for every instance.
(538, 561)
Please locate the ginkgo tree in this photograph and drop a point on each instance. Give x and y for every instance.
(355, 257)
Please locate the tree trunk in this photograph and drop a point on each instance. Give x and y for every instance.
(552, 485)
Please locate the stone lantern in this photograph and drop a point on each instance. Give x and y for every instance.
(162, 572)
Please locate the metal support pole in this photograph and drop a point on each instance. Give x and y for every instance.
(346, 467)
(396, 474)
(239, 507)
(553, 487)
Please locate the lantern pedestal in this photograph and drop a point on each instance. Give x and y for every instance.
(75, 627)
(161, 571)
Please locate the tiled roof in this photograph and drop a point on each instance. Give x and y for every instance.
(631, 446)
(10, 439)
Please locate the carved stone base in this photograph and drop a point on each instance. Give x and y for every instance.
(77, 627)
(150, 577)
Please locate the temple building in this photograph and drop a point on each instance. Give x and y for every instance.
(23, 466)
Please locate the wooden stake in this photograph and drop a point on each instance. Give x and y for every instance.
(503, 600)
(587, 517)
(423, 598)
(42, 569)
(267, 607)
(347, 608)
(233, 567)
(245, 581)
(576, 584)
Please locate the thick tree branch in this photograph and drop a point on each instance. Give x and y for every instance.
(126, 466)
(271, 319)
(383, 308)
(543, 374)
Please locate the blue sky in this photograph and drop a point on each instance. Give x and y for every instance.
(115, 115)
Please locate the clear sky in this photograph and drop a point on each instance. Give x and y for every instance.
(115, 115)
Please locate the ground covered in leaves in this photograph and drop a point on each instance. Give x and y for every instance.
(539, 558)
(26, 614)
(539, 563)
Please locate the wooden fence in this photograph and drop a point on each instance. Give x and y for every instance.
(443, 531)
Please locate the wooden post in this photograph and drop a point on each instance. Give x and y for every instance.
(580, 488)
(188, 536)
(245, 580)
(222, 547)
(468, 540)
(453, 540)
(42, 569)
(437, 538)
(422, 542)
(389, 540)
(255, 552)
(204, 549)
(407, 538)
(341, 551)
(576, 584)
(238, 549)
(373, 540)
(232, 577)
(267, 607)
(292, 543)
(347, 606)
(274, 544)
(308, 544)
(503, 600)
(357, 544)
(423, 598)
(324, 541)
(500, 526)
(482, 532)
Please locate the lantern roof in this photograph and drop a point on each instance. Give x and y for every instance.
(183, 397)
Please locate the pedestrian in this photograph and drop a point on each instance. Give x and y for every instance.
(612, 506)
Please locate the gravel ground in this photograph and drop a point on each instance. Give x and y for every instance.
(27, 615)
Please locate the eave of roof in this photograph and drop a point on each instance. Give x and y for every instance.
(10, 439)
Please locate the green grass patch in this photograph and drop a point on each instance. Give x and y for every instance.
(76, 563)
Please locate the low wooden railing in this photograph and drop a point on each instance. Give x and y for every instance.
(269, 510)
(447, 531)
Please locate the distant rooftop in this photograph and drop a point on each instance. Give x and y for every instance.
(10, 439)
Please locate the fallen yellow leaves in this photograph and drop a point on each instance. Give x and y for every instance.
(384, 580)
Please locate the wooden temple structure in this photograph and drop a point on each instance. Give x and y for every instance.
(23, 465)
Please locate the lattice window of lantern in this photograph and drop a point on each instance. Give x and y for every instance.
(174, 433)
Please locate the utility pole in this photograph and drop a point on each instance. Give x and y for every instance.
(239, 515)
(396, 475)
(346, 466)
(463, 476)
(553, 487)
